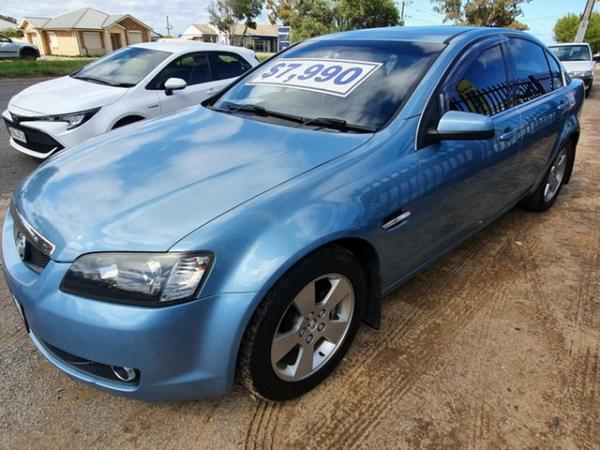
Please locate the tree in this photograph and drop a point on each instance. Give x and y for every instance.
(566, 27)
(308, 18)
(246, 11)
(221, 15)
(482, 13)
(356, 14)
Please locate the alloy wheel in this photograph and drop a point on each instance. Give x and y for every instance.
(313, 327)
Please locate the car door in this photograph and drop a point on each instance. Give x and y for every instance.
(466, 183)
(543, 104)
(8, 49)
(194, 69)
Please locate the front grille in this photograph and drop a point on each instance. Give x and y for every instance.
(34, 258)
(31, 254)
(37, 140)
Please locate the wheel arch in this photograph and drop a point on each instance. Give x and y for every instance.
(126, 120)
(574, 139)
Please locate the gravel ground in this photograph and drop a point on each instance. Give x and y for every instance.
(495, 346)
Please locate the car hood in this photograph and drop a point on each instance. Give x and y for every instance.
(578, 66)
(146, 186)
(65, 95)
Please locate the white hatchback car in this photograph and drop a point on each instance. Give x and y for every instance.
(134, 83)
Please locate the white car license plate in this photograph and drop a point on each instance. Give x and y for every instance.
(17, 134)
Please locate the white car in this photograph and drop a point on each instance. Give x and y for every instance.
(577, 59)
(135, 83)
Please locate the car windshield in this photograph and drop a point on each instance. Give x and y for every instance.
(124, 68)
(347, 85)
(572, 52)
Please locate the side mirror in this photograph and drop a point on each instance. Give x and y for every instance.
(596, 58)
(174, 84)
(463, 126)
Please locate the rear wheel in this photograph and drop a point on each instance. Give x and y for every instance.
(304, 326)
(29, 53)
(547, 192)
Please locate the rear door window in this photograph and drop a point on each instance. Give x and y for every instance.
(533, 78)
(227, 65)
(483, 87)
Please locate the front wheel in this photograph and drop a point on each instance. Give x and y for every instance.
(547, 192)
(304, 326)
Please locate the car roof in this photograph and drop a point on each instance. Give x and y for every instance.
(569, 44)
(435, 34)
(177, 46)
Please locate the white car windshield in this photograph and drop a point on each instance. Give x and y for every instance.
(123, 68)
(572, 52)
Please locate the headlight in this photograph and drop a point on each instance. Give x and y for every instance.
(143, 278)
(587, 73)
(73, 119)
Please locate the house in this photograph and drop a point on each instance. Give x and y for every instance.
(262, 39)
(7, 24)
(84, 32)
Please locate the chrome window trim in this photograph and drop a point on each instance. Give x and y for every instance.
(33, 236)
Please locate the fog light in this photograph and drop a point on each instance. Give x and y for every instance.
(126, 374)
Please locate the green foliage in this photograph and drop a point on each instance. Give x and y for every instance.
(13, 32)
(482, 13)
(40, 68)
(309, 18)
(356, 14)
(566, 27)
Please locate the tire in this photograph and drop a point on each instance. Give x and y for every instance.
(29, 53)
(588, 91)
(270, 371)
(547, 192)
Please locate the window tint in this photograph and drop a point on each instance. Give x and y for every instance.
(532, 73)
(227, 65)
(556, 71)
(483, 87)
(193, 68)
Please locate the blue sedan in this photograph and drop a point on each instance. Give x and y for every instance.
(249, 237)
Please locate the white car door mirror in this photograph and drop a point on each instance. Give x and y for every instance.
(174, 84)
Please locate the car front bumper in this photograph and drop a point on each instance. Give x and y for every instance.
(181, 352)
(43, 139)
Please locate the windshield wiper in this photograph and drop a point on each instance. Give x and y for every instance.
(101, 81)
(337, 124)
(261, 111)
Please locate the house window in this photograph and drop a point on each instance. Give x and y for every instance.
(53, 39)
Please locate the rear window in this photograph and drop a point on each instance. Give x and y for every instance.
(572, 52)
(360, 82)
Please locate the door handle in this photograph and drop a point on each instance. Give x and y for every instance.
(562, 106)
(508, 134)
(395, 219)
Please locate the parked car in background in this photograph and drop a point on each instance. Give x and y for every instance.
(10, 48)
(250, 236)
(578, 60)
(135, 83)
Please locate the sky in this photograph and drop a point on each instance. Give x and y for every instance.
(540, 15)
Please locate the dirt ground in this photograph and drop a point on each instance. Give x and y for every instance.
(495, 346)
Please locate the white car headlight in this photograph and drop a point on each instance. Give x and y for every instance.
(73, 119)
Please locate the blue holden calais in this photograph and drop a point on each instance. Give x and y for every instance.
(248, 238)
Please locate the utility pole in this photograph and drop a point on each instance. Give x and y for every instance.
(169, 27)
(585, 20)
(402, 4)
